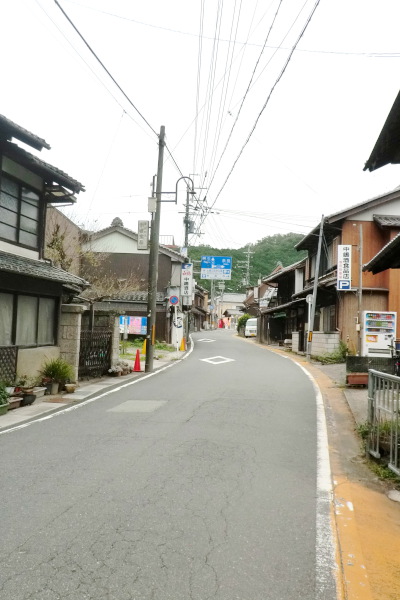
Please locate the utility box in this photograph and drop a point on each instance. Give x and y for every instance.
(378, 333)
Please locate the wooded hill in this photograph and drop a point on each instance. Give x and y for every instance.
(266, 255)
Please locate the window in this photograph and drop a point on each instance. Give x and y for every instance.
(19, 213)
(27, 320)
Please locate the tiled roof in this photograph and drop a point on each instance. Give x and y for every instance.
(9, 129)
(40, 270)
(49, 172)
(287, 269)
(386, 258)
(387, 220)
(139, 296)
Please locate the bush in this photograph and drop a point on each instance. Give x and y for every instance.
(243, 320)
(58, 370)
(338, 356)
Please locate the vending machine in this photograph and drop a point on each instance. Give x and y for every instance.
(379, 333)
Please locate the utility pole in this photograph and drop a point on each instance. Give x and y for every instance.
(153, 260)
(187, 220)
(314, 296)
(359, 291)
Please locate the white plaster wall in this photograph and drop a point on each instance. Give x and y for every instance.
(115, 242)
(18, 251)
(388, 208)
(31, 360)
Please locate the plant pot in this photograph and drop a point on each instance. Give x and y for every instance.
(27, 390)
(28, 399)
(14, 402)
(357, 379)
(54, 388)
(4, 408)
(70, 388)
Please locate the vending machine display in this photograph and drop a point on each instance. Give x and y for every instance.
(379, 333)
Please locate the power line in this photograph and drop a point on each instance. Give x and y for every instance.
(187, 33)
(268, 97)
(246, 92)
(105, 68)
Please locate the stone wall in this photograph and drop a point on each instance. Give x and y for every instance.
(70, 334)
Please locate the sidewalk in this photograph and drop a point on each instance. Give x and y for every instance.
(86, 389)
(357, 397)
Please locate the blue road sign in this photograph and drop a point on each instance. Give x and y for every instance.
(216, 267)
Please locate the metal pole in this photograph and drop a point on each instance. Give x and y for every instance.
(187, 219)
(315, 287)
(359, 292)
(153, 260)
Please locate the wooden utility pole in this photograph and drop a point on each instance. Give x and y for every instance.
(315, 288)
(153, 260)
(359, 291)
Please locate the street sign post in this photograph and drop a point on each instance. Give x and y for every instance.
(174, 300)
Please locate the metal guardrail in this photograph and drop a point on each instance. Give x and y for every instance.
(384, 418)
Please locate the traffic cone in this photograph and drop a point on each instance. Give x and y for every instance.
(136, 368)
(144, 347)
(183, 345)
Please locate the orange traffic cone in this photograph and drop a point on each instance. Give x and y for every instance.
(183, 345)
(137, 368)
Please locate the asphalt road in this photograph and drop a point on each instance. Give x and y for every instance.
(200, 482)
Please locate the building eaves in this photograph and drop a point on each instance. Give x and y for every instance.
(9, 130)
(284, 270)
(332, 225)
(267, 311)
(387, 258)
(387, 220)
(38, 269)
(50, 173)
(387, 146)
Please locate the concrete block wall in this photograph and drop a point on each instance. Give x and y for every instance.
(324, 343)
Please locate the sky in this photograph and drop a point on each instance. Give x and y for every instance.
(270, 113)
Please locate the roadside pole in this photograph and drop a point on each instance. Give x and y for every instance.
(153, 260)
(314, 295)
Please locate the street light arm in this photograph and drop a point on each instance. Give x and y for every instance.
(176, 187)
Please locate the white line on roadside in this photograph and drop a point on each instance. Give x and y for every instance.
(325, 540)
(90, 400)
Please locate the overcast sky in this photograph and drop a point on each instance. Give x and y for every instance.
(177, 60)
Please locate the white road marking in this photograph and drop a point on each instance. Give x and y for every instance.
(217, 360)
(326, 541)
(205, 340)
(138, 406)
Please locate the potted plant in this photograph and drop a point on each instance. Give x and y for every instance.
(59, 371)
(26, 383)
(9, 384)
(115, 370)
(124, 366)
(3, 399)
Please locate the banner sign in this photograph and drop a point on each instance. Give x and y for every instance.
(143, 235)
(216, 267)
(187, 282)
(344, 267)
(135, 325)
